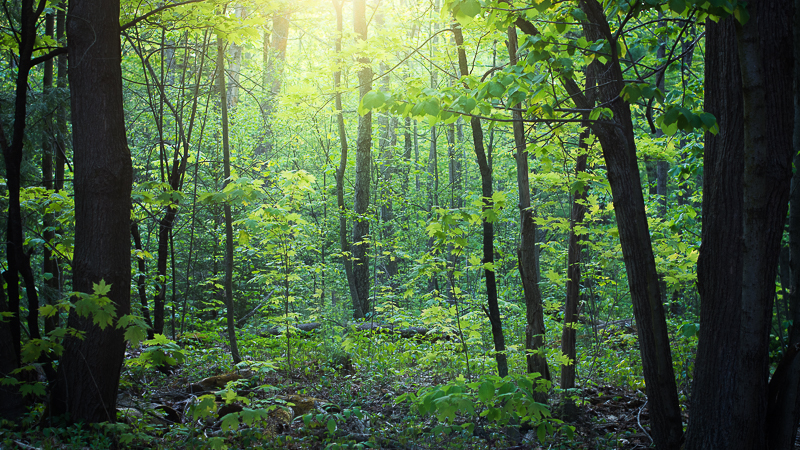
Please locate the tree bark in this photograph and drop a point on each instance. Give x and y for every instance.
(785, 415)
(360, 243)
(488, 228)
(766, 68)
(719, 265)
(226, 157)
(344, 243)
(88, 375)
(619, 152)
(526, 252)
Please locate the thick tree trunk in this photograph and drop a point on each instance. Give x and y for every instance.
(226, 158)
(88, 375)
(766, 68)
(526, 252)
(360, 245)
(719, 265)
(783, 419)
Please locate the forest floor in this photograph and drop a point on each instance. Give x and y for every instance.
(328, 400)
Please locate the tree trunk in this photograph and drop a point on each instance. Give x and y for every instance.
(141, 278)
(720, 264)
(484, 165)
(347, 260)
(568, 341)
(226, 157)
(360, 244)
(766, 67)
(785, 414)
(88, 375)
(274, 58)
(619, 152)
(526, 252)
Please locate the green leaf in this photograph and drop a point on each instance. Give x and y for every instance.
(230, 422)
(495, 89)
(677, 5)
(32, 389)
(470, 8)
(102, 288)
(486, 391)
(331, 425)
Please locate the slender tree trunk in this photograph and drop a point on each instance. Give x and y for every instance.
(568, 341)
(347, 260)
(18, 260)
(484, 164)
(526, 252)
(274, 59)
(360, 245)
(619, 151)
(141, 278)
(226, 156)
(49, 261)
(88, 374)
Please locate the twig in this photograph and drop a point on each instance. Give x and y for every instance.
(24, 445)
(639, 420)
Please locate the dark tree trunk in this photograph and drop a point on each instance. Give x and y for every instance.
(360, 245)
(88, 375)
(526, 252)
(787, 409)
(18, 260)
(488, 228)
(574, 269)
(568, 341)
(226, 158)
(619, 152)
(719, 265)
(141, 278)
(347, 261)
(766, 66)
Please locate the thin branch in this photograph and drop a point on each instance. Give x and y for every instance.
(156, 11)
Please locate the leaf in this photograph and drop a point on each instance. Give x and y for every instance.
(470, 8)
(486, 391)
(331, 425)
(677, 5)
(32, 389)
(135, 335)
(101, 288)
(230, 422)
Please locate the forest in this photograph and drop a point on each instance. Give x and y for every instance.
(400, 224)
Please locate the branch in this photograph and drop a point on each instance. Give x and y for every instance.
(48, 56)
(156, 11)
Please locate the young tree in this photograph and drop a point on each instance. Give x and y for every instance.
(226, 158)
(487, 196)
(360, 242)
(526, 252)
(88, 375)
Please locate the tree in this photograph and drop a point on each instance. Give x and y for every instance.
(226, 158)
(88, 375)
(526, 252)
(360, 242)
(487, 198)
